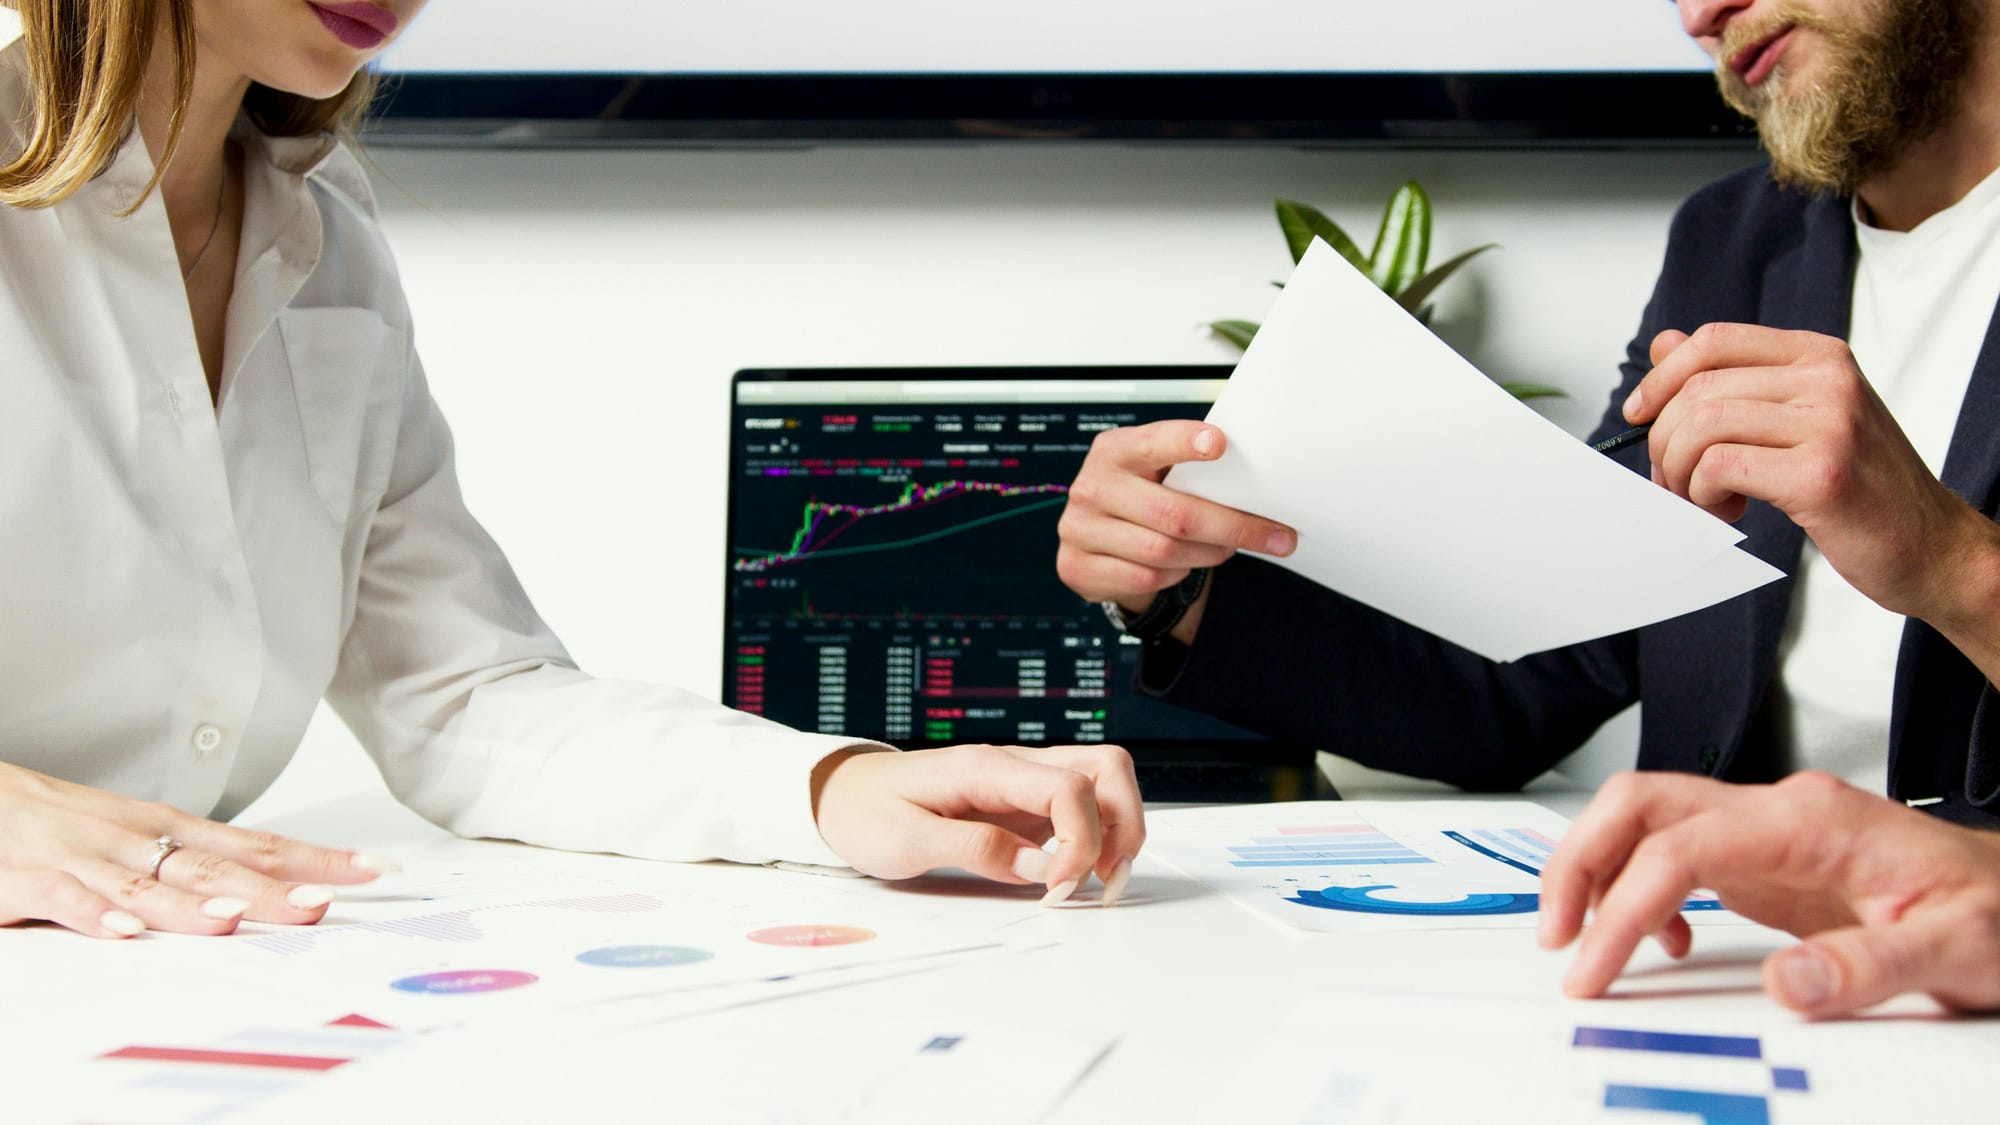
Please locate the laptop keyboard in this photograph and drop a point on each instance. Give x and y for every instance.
(1232, 782)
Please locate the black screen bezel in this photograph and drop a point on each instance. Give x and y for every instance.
(1555, 109)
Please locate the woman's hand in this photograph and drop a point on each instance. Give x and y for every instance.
(987, 809)
(81, 857)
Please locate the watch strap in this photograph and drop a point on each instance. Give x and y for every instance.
(1157, 620)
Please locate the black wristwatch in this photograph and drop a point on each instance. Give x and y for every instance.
(1159, 619)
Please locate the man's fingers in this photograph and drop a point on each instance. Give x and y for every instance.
(1847, 970)
(1154, 448)
(1703, 425)
(1713, 347)
(1645, 898)
(1664, 344)
(1181, 517)
(55, 896)
(1727, 473)
(1155, 550)
(1625, 810)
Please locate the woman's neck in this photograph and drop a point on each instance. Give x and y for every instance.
(192, 180)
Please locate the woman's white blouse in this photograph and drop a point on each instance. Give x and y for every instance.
(181, 584)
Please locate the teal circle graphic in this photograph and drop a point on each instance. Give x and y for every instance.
(1362, 900)
(643, 956)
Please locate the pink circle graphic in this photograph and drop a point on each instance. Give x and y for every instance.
(465, 982)
(812, 935)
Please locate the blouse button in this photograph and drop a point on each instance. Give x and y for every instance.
(207, 739)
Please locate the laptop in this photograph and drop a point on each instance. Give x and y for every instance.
(891, 570)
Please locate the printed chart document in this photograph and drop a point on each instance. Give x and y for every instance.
(1421, 488)
(1343, 866)
(463, 939)
(849, 1069)
(483, 947)
(1357, 1058)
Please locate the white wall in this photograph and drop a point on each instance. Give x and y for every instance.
(580, 314)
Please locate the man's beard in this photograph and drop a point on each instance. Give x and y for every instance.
(1885, 82)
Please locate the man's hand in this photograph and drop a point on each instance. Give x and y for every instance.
(1125, 536)
(82, 857)
(1740, 411)
(987, 809)
(1890, 900)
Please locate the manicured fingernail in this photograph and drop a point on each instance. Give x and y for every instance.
(119, 922)
(1545, 929)
(1632, 404)
(1204, 442)
(1114, 887)
(1280, 544)
(1806, 979)
(1059, 892)
(1032, 864)
(223, 909)
(308, 896)
(379, 864)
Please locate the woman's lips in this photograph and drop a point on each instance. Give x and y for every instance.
(359, 25)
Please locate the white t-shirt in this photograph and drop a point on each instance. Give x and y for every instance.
(1922, 302)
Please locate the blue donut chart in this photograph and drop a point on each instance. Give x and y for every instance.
(1362, 900)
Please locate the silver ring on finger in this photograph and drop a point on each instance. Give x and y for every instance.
(163, 847)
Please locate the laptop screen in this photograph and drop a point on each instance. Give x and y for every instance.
(891, 571)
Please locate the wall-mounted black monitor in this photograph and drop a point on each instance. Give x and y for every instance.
(1441, 72)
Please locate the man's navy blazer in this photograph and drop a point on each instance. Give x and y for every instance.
(1284, 656)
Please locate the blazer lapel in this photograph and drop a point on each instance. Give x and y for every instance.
(1974, 456)
(1933, 679)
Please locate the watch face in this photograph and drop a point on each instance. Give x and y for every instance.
(1116, 614)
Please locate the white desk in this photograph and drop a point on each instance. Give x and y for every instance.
(1186, 980)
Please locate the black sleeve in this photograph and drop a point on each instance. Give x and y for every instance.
(1287, 657)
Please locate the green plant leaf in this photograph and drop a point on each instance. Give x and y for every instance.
(1238, 332)
(1533, 390)
(1403, 241)
(1413, 296)
(1302, 223)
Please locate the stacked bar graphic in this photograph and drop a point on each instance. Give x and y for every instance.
(1337, 846)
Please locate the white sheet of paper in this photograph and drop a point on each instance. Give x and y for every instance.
(468, 937)
(1380, 1059)
(1420, 487)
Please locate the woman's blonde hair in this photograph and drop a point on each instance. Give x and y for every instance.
(86, 61)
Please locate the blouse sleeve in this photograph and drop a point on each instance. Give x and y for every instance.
(480, 722)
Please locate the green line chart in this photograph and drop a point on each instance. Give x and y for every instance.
(823, 522)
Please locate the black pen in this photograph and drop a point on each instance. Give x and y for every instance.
(1618, 441)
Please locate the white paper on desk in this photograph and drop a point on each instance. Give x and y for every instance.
(1346, 866)
(476, 935)
(1421, 488)
(1358, 1058)
(790, 1070)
